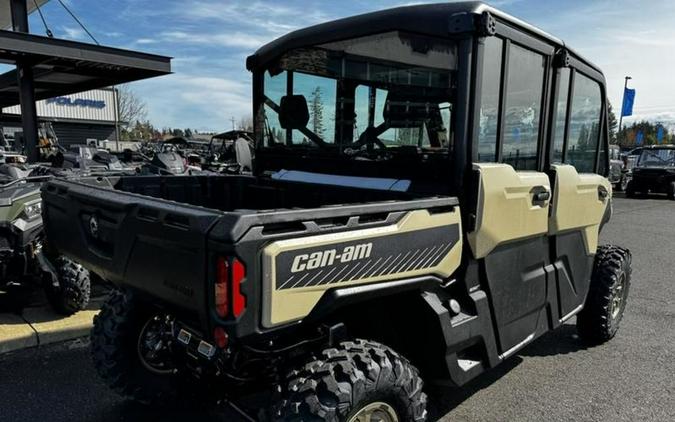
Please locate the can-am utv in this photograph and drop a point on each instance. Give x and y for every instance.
(426, 199)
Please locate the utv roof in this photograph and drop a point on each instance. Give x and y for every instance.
(426, 19)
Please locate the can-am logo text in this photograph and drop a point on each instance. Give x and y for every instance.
(329, 257)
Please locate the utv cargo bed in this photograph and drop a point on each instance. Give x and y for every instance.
(162, 236)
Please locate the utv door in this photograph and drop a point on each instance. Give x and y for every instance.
(581, 195)
(509, 237)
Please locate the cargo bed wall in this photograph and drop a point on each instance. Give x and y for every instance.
(250, 193)
(155, 246)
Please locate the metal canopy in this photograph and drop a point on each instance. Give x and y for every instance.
(6, 16)
(64, 67)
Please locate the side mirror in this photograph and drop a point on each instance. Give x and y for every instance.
(293, 112)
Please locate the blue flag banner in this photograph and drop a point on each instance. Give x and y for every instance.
(639, 137)
(659, 135)
(628, 99)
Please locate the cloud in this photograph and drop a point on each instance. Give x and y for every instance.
(190, 100)
(239, 40)
(146, 41)
(76, 34)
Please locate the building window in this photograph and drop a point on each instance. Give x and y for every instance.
(522, 115)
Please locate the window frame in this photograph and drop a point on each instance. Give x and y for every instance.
(511, 36)
(576, 66)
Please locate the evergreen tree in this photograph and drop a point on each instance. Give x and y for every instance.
(316, 112)
(613, 124)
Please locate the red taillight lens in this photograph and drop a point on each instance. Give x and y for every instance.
(229, 275)
(222, 281)
(238, 299)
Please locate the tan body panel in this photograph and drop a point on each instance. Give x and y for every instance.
(576, 205)
(292, 304)
(505, 211)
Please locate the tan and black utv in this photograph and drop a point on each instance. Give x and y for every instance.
(428, 189)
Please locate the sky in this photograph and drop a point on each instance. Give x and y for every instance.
(210, 40)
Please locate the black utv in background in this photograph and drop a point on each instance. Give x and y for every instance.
(654, 172)
(428, 228)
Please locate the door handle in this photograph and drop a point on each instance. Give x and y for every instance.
(540, 195)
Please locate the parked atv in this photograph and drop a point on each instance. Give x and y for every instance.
(25, 259)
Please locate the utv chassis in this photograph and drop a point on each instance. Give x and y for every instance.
(219, 298)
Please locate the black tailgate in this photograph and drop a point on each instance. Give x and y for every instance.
(153, 245)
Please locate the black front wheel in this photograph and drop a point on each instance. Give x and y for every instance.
(74, 287)
(357, 381)
(605, 304)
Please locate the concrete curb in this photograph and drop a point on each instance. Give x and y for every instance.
(40, 326)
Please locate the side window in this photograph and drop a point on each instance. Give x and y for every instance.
(522, 115)
(584, 127)
(561, 115)
(489, 101)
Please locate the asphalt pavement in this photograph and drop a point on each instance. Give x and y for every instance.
(631, 378)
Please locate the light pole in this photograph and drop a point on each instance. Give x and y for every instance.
(625, 85)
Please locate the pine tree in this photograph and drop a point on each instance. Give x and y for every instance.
(316, 112)
(613, 124)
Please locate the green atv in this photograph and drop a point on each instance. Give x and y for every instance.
(25, 259)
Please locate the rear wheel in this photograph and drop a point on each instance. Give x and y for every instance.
(131, 346)
(599, 321)
(671, 190)
(356, 381)
(72, 293)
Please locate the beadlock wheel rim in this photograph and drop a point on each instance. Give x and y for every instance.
(375, 412)
(153, 347)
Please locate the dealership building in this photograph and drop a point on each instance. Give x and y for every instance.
(76, 118)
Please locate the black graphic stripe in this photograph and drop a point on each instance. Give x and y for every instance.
(385, 256)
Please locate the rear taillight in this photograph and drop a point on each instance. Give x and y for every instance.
(222, 291)
(230, 272)
(238, 299)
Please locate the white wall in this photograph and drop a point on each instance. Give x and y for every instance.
(97, 105)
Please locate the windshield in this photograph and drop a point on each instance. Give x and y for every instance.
(657, 158)
(382, 92)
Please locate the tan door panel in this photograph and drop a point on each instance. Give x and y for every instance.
(577, 204)
(507, 209)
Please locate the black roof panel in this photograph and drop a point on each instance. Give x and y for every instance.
(427, 19)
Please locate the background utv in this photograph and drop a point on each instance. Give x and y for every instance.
(443, 215)
(26, 262)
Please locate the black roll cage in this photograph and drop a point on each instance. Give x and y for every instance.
(466, 31)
